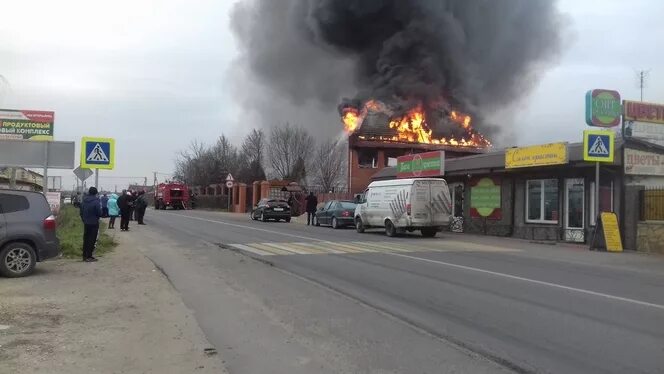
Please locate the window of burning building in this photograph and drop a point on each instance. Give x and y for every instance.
(367, 158)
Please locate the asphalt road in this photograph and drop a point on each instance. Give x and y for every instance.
(333, 301)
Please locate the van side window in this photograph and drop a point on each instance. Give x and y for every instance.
(13, 203)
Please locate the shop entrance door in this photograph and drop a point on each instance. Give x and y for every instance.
(456, 221)
(574, 210)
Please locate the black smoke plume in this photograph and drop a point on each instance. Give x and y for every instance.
(302, 57)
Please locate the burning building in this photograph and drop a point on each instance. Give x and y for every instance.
(379, 133)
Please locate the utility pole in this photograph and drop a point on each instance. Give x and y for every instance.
(642, 78)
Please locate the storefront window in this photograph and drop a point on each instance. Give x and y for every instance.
(542, 201)
(575, 205)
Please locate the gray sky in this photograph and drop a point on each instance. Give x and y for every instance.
(156, 74)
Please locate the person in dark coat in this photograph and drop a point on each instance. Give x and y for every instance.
(123, 204)
(312, 203)
(104, 205)
(141, 206)
(90, 213)
(132, 204)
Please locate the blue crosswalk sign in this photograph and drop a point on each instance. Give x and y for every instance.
(598, 145)
(97, 153)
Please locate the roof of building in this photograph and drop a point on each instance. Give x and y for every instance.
(495, 160)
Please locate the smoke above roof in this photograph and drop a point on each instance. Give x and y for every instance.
(299, 59)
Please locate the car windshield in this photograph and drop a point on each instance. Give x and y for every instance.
(347, 205)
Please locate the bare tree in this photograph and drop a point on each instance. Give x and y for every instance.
(252, 156)
(328, 164)
(288, 150)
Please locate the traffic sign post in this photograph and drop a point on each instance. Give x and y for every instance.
(97, 153)
(598, 146)
(229, 185)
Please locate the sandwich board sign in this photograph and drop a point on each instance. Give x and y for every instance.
(598, 145)
(97, 153)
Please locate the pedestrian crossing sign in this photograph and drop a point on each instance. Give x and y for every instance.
(598, 145)
(97, 153)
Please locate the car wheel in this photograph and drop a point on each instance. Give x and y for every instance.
(390, 230)
(263, 218)
(335, 223)
(317, 223)
(429, 232)
(17, 260)
(287, 220)
(359, 226)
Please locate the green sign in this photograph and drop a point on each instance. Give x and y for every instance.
(485, 197)
(428, 164)
(603, 108)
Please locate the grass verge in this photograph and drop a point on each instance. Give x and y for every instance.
(70, 233)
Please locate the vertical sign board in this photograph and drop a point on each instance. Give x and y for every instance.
(598, 145)
(97, 153)
(609, 239)
(485, 198)
(603, 108)
(427, 164)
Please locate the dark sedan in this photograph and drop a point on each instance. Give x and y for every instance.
(336, 213)
(271, 209)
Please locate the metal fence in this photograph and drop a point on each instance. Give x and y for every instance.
(651, 204)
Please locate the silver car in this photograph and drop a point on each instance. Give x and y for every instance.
(27, 232)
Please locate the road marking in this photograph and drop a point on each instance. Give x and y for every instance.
(252, 250)
(288, 248)
(249, 227)
(554, 285)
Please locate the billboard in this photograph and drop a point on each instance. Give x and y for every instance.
(603, 108)
(427, 164)
(645, 131)
(26, 124)
(537, 155)
(643, 163)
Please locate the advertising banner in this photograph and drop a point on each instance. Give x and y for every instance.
(427, 164)
(603, 108)
(645, 131)
(26, 124)
(643, 163)
(643, 112)
(537, 155)
(485, 198)
(53, 199)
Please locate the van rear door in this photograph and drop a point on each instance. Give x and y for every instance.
(441, 202)
(420, 202)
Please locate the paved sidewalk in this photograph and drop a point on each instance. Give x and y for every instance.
(119, 315)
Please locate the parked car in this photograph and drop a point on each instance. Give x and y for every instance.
(405, 205)
(336, 213)
(27, 232)
(271, 209)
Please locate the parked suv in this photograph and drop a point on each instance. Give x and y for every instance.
(27, 232)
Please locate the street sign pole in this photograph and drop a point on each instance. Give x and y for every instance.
(45, 176)
(596, 212)
(97, 178)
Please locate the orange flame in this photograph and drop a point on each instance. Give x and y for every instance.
(412, 127)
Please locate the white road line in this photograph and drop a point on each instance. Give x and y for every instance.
(249, 227)
(554, 285)
(252, 250)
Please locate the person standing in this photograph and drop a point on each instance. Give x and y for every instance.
(125, 210)
(90, 213)
(141, 206)
(113, 210)
(132, 204)
(104, 205)
(312, 203)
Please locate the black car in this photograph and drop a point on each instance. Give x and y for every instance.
(27, 232)
(271, 209)
(336, 213)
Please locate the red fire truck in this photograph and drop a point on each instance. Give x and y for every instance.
(174, 195)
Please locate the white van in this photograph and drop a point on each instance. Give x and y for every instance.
(401, 205)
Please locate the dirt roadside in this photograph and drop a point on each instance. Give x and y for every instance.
(119, 315)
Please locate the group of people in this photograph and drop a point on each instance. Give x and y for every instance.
(129, 206)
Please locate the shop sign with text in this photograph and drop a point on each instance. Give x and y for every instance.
(645, 131)
(427, 164)
(603, 108)
(537, 155)
(643, 112)
(643, 163)
(485, 198)
(26, 124)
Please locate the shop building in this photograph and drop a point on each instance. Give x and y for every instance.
(547, 192)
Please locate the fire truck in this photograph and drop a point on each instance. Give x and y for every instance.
(174, 195)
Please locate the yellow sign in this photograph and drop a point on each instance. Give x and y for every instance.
(97, 153)
(611, 232)
(537, 155)
(598, 145)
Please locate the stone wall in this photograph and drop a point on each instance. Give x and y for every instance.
(650, 237)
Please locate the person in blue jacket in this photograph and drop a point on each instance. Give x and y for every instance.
(90, 214)
(113, 210)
